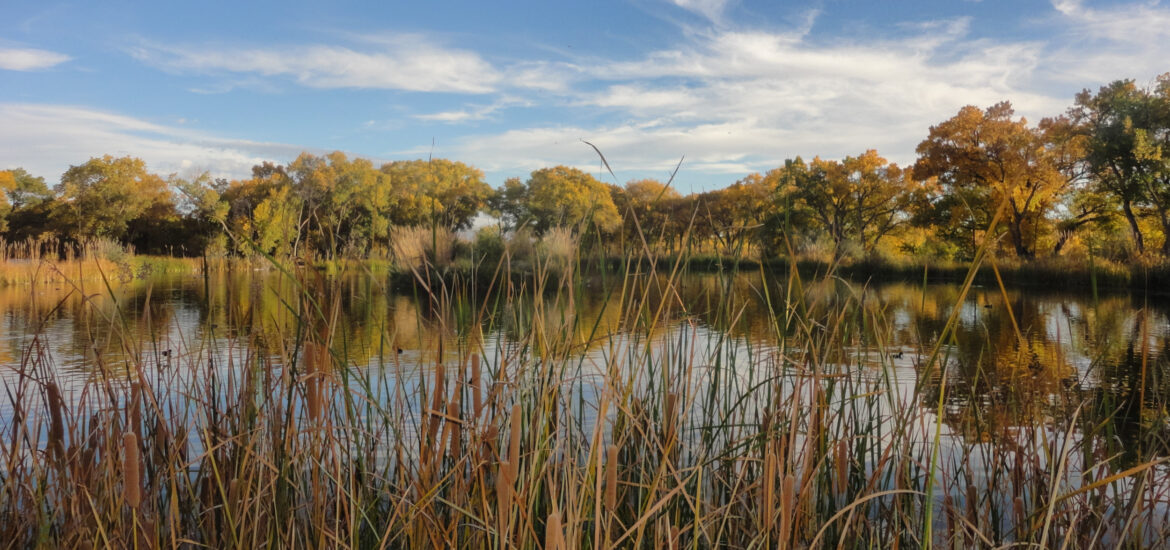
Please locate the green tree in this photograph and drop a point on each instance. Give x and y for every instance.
(102, 196)
(510, 204)
(1116, 123)
(23, 189)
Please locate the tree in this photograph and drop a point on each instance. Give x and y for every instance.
(437, 191)
(510, 204)
(1153, 153)
(346, 202)
(102, 196)
(650, 203)
(23, 189)
(271, 232)
(860, 199)
(986, 158)
(566, 196)
(1116, 123)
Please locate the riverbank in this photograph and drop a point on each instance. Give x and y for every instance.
(1150, 277)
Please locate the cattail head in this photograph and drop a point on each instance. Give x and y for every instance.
(769, 491)
(131, 480)
(554, 536)
(505, 486)
(313, 397)
(455, 425)
(787, 508)
(1021, 518)
(842, 462)
(514, 441)
(972, 505)
(56, 418)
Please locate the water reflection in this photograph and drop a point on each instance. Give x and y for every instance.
(1029, 355)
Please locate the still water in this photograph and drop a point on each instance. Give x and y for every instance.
(1019, 352)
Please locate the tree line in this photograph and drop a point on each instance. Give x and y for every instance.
(1092, 180)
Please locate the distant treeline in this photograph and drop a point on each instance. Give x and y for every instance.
(1092, 181)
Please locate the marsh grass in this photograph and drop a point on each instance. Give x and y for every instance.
(654, 432)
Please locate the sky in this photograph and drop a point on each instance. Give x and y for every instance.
(728, 87)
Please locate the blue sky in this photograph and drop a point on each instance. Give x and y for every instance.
(735, 86)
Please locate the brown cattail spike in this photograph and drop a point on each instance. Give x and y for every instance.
(131, 482)
(554, 536)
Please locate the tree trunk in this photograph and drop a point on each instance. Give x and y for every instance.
(1015, 228)
(1165, 219)
(1136, 231)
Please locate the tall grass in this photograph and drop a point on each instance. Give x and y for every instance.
(634, 427)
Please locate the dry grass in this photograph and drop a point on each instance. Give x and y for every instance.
(570, 436)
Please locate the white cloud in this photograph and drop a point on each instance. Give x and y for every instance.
(411, 65)
(732, 98)
(472, 112)
(27, 59)
(711, 9)
(735, 100)
(46, 139)
(1100, 45)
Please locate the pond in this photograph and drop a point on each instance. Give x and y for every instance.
(1025, 394)
(1018, 350)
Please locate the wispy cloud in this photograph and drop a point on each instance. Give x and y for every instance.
(52, 137)
(711, 9)
(402, 64)
(737, 99)
(29, 59)
(1098, 43)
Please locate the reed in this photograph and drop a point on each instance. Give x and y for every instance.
(635, 426)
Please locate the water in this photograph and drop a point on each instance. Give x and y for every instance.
(1025, 352)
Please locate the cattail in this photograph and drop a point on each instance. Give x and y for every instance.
(1021, 518)
(476, 386)
(787, 510)
(675, 537)
(554, 537)
(452, 430)
(132, 483)
(514, 441)
(972, 504)
(504, 489)
(842, 462)
(611, 478)
(56, 419)
(313, 397)
(233, 494)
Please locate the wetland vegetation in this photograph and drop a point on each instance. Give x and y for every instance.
(328, 355)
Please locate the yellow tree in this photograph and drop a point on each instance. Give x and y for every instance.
(437, 191)
(861, 199)
(988, 158)
(649, 201)
(346, 202)
(567, 196)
